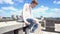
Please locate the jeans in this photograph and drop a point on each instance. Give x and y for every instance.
(32, 25)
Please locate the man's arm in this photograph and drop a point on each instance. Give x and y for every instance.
(24, 14)
(36, 20)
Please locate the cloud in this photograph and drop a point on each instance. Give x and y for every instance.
(10, 1)
(11, 11)
(56, 2)
(1, 11)
(9, 8)
(6, 1)
(55, 12)
(38, 11)
(46, 12)
(18, 12)
(21, 1)
(41, 9)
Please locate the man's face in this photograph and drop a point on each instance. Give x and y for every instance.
(33, 5)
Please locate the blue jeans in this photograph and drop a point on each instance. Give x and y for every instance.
(32, 25)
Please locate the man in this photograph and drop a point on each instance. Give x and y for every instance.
(31, 22)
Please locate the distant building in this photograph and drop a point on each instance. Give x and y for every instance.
(14, 17)
(0, 17)
(55, 20)
(49, 23)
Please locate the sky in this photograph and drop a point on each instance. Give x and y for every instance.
(45, 8)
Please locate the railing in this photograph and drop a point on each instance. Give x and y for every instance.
(50, 25)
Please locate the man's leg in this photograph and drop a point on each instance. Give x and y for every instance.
(35, 26)
(31, 23)
(27, 31)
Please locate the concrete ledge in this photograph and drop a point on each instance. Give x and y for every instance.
(10, 27)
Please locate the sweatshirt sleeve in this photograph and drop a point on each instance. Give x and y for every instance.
(24, 14)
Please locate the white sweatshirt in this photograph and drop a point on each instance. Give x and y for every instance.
(27, 12)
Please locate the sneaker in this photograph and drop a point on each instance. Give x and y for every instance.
(32, 31)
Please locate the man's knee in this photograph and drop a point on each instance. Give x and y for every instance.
(36, 25)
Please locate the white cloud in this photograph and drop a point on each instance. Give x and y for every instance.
(41, 9)
(18, 12)
(21, 1)
(6, 1)
(1, 11)
(9, 8)
(55, 12)
(56, 2)
(10, 1)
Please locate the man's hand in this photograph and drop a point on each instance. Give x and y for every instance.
(27, 23)
(36, 21)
